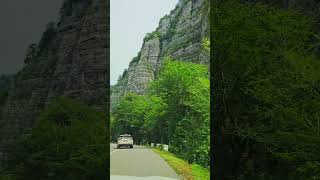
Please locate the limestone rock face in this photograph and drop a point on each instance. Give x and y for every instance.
(178, 36)
(142, 72)
(75, 65)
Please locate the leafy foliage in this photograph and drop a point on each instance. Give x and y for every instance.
(152, 35)
(185, 89)
(175, 112)
(206, 44)
(137, 115)
(69, 141)
(267, 94)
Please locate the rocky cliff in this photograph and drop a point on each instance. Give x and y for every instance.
(70, 60)
(179, 36)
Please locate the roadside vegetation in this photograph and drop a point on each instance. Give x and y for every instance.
(69, 141)
(175, 111)
(266, 94)
(184, 169)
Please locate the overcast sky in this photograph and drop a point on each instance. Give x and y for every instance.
(130, 21)
(22, 22)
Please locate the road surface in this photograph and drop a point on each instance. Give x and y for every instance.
(138, 162)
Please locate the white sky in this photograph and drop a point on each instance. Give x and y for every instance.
(130, 21)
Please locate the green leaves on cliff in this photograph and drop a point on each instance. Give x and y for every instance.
(175, 112)
(69, 141)
(152, 35)
(206, 44)
(268, 92)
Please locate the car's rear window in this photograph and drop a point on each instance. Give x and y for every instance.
(125, 136)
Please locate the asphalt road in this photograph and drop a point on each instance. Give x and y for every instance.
(138, 162)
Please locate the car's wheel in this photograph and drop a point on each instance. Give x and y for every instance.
(131, 146)
(118, 146)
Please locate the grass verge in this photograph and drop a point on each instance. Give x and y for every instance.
(184, 169)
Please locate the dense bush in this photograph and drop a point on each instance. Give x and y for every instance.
(68, 141)
(266, 93)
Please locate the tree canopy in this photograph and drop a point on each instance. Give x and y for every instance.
(175, 112)
(266, 92)
(68, 141)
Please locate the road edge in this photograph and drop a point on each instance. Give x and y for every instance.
(184, 170)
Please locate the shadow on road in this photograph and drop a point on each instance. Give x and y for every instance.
(134, 147)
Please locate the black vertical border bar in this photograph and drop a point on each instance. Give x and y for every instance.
(211, 4)
(108, 86)
(212, 85)
(217, 165)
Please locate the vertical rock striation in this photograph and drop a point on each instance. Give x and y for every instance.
(72, 62)
(179, 36)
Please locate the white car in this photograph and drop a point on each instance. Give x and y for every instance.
(125, 140)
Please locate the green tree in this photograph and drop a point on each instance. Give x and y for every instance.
(185, 89)
(266, 96)
(175, 111)
(137, 114)
(68, 141)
